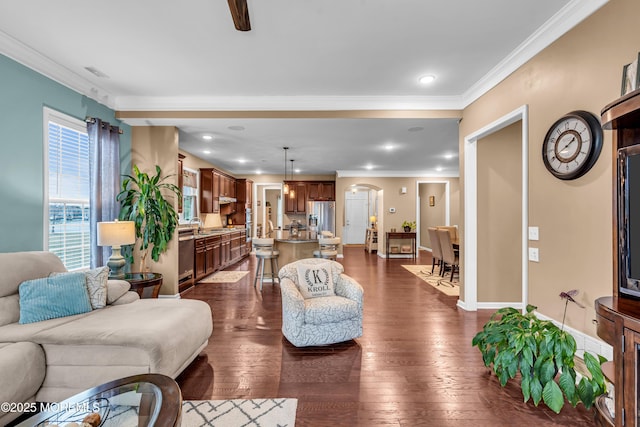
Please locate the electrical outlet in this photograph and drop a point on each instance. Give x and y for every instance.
(533, 233)
(534, 255)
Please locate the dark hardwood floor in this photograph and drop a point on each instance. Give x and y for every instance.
(414, 365)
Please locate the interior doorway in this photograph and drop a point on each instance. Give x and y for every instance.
(469, 300)
(356, 217)
(268, 208)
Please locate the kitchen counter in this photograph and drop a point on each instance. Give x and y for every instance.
(211, 232)
(294, 248)
(303, 237)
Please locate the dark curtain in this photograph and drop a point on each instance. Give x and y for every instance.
(104, 152)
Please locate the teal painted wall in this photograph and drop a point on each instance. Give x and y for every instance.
(23, 94)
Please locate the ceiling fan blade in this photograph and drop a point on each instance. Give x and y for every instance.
(240, 13)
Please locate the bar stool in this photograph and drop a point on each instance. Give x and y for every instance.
(264, 250)
(328, 248)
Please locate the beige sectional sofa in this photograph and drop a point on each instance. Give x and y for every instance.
(50, 360)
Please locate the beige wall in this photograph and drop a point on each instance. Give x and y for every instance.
(431, 216)
(581, 70)
(500, 216)
(151, 146)
(405, 204)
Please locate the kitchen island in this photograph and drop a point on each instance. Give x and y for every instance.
(294, 248)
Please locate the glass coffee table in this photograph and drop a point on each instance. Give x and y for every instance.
(140, 400)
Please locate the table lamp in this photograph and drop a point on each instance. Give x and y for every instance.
(116, 234)
(373, 219)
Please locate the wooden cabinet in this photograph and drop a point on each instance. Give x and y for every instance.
(298, 203)
(209, 189)
(236, 243)
(618, 317)
(200, 259)
(321, 190)
(225, 250)
(244, 188)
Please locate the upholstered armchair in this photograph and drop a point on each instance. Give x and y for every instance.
(320, 320)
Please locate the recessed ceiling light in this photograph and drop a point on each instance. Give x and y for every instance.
(242, 161)
(416, 129)
(439, 169)
(207, 152)
(207, 137)
(236, 127)
(389, 147)
(448, 156)
(368, 167)
(425, 80)
(258, 172)
(296, 170)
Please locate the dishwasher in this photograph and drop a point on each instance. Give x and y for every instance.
(186, 251)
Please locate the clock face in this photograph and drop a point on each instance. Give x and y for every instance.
(572, 145)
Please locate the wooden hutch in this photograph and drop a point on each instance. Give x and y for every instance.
(618, 316)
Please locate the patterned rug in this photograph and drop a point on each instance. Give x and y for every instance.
(438, 282)
(224, 277)
(239, 412)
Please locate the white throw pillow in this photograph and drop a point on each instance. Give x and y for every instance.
(315, 280)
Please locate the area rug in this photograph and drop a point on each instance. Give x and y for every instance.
(239, 412)
(438, 282)
(224, 277)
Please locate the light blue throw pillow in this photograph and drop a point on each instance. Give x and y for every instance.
(53, 297)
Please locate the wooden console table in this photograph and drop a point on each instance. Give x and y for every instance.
(401, 236)
(141, 281)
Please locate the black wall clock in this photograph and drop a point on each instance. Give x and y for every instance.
(572, 145)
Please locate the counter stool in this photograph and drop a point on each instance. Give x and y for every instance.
(264, 250)
(328, 248)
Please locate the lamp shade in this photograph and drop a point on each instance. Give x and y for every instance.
(372, 218)
(116, 233)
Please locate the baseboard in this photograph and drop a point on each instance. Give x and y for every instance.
(176, 296)
(498, 305)
(584, 342)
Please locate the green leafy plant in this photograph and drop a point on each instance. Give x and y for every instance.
(143, 202)
(543, 355)
(409, 224)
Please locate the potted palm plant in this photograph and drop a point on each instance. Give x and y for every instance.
(543, 354)
(143, 201)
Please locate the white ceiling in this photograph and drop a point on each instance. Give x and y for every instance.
(299, 55)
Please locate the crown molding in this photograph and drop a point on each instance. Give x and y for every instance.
(40, 63)
(292, 103)
(394, 174)
(564, 20)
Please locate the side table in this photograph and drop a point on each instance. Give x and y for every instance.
(141, 282)
(139, 400)
(401, 236)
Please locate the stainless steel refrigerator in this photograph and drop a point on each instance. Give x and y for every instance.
(322, 215)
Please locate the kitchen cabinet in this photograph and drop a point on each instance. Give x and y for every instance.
(321, 190)
(227, 186)
(244, 188)
(209, 184)
(236, 243)
(298, 203)
(225, 250)
(200, 259)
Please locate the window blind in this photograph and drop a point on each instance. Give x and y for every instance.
(68, 191)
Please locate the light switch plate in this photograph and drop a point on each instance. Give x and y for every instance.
(534, 255)
(392, 210)
(534, 233)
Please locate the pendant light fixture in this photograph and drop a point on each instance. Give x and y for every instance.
(285, 186)
(292, 192)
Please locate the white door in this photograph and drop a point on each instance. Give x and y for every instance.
(356, 217)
